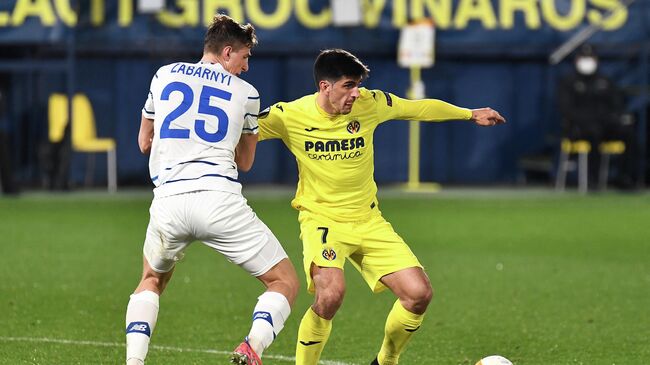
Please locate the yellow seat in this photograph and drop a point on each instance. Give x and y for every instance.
(567, 148)
(578, 146)
(612, 147)
(607, 149)
(84, 133)
(57, 117)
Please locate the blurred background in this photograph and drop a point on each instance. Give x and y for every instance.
(524, 58)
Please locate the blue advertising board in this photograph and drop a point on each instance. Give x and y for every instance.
(286, 25)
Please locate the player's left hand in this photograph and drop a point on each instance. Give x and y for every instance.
(487, 117)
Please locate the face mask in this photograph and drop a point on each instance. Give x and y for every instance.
(586, 65)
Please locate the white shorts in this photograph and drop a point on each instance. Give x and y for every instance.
(221, 220)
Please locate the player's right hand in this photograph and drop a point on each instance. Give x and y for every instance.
(486, 117)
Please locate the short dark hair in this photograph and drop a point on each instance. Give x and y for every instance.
(332, 64)
(224, 31)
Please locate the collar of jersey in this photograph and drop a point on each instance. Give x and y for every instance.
(325, 114)
(216, 64)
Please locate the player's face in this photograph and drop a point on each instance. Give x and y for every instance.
(238, 60)
(343, 93)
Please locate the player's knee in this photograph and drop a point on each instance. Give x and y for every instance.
(418, 299)
(330, 299)
(426, 295)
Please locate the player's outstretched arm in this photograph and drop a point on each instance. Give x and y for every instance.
(487, 117)
(245, 151)
(145, 135)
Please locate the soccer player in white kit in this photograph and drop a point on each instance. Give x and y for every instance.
(199, 125)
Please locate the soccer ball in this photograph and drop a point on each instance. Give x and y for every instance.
(494, 360)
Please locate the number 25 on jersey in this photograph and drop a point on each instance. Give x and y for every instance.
(204, 108)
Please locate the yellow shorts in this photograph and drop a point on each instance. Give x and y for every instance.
(372, 246)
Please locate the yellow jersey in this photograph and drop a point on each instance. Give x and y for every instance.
(335, 153)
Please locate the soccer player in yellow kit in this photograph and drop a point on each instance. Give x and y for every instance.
(331, 135)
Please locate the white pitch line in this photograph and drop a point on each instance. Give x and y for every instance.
(155, 347)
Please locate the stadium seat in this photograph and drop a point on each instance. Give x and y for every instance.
(567, 148)
(84, 133)
(607, 149)
(57, 117)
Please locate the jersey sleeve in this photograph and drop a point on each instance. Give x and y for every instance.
(149, 110)
(271, 122)
(391, 107)
(252, 109)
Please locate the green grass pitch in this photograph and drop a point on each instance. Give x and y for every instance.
(538, 278)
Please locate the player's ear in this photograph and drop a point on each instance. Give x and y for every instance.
(323, 85)
(225, 52)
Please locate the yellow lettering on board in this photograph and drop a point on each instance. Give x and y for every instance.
(372, 10)
(566, 22)
(617, 18)
(527, 7)
(269, 21)
(211, 8)
(400, 15)
(311, 20)
(97, 12)
(480, 10)
(125, 13)
(67, 15)
(188, 15)
(439, 10)
(36, 8)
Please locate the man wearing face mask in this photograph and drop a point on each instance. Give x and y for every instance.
(592, 106)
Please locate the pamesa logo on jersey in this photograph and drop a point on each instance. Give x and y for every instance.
(354, 126)
(335, 145)
(336, 150)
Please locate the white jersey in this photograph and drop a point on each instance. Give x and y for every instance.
(199, 111)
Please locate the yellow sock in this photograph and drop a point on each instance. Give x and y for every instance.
(400, 326)
(312, 337)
